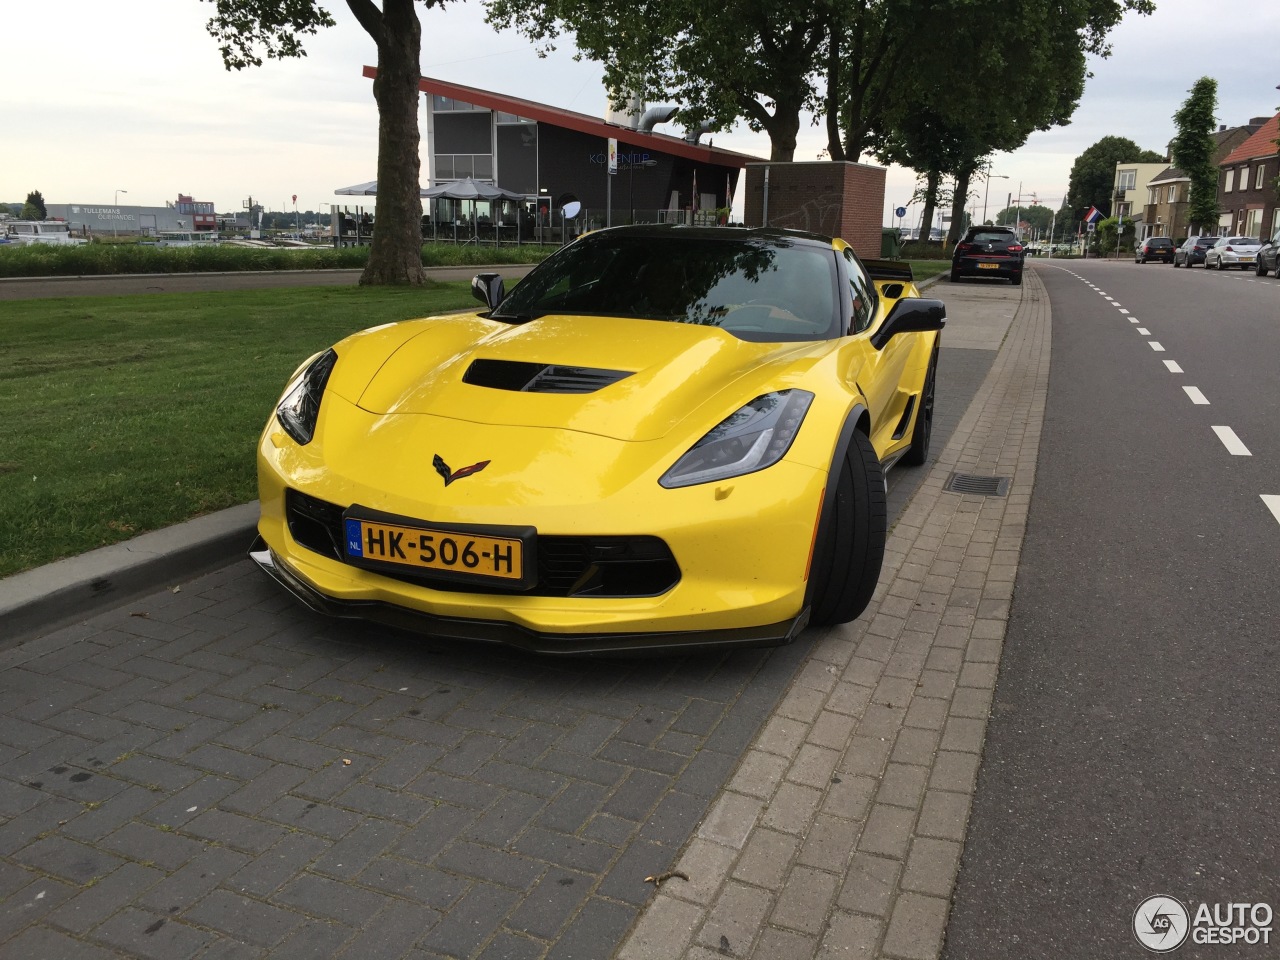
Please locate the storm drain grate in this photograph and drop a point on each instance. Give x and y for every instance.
(978, 486)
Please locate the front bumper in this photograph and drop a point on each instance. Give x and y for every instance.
(513, 635)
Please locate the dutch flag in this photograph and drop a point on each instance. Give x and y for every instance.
(1093, 216)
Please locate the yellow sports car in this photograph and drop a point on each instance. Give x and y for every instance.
(664, 436)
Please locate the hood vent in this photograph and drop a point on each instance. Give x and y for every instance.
(539, 377)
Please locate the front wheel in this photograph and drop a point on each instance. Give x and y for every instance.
(1260, 270)
(850, 550)
(922, 433)
(955, 275)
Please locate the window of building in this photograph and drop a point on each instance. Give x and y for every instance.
(1173, 193)
(1228, 181)
(449, 105)
(1126, 180)
(1275, 222)
(1153, 195)
(1253, 223)
(511, 118)
(455, 166)
(1261, 175)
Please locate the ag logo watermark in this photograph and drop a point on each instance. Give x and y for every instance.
(1163, 924)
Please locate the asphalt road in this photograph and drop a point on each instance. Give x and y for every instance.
(1133, 745)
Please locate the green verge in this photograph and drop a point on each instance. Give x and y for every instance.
(120, 415)
(99, 259)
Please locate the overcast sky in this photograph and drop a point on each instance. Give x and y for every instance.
(131, 96)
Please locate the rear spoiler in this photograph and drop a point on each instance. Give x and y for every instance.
(888, 270)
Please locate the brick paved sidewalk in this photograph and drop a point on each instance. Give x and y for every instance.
(841, 832)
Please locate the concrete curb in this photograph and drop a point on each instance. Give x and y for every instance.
(37, 601)
(46, 598)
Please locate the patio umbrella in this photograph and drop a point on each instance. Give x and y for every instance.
(468, 189)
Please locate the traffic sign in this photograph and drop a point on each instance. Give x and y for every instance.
(900, 212)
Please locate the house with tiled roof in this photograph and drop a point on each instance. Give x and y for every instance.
(1166, 213)
(1247, 193)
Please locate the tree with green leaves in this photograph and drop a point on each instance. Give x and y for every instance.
(740, 59)
(248, 30)
(34, 208)
(1093, 174)
(1194, 149)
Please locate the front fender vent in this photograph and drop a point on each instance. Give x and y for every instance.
(525, 377)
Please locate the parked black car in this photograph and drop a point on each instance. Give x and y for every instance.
(1154, 248)
(1192, 251)
(1269, 257)
(988, 252)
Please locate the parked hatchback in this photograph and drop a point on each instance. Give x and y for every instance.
(988, 252)
(1154, 248)
(1192, 251)
(1269, 257)
(1239, 252)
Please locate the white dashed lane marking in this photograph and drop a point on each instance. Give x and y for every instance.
(1144, 331)
(1233, 443)
(1156, 346)
(1173, 366)
(1196, 396)
(1123, 310)
(1273, 503)
(1133, 319)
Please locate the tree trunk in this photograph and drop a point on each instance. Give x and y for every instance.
(395, 256)
(783, 130)
(930, 202)
(957, 208)
(835, 146)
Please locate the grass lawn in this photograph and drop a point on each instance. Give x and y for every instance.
(120, 415)
(924, 269)
(124, 414)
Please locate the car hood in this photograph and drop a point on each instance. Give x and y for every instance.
(633, 379)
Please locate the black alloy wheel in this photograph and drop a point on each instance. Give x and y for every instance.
(850, 549)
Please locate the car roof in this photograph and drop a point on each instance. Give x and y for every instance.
(655, 230)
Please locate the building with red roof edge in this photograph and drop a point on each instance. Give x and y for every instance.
(1247, 193)
(553, 156)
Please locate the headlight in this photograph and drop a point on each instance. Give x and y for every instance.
(754, 437)
(300, 407)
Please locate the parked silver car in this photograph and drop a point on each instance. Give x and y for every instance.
(1239, 252)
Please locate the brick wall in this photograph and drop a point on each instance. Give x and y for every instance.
(843, 200)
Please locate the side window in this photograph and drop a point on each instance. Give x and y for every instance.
(863, 293)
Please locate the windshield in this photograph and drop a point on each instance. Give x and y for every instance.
(765, 289)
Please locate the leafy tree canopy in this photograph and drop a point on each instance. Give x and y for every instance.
(1094, 173)
(34, 208)
(1194, 149)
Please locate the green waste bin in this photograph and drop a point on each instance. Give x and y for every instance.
(889, 246)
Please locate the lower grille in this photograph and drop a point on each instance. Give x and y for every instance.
(628, 566)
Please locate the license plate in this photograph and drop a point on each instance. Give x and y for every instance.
(988, 266)
(462, 553)
(1245, 259)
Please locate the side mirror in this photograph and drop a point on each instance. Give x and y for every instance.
(913, 315)
(487, 288)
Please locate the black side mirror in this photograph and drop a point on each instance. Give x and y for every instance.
(913, 315)
(487, 288)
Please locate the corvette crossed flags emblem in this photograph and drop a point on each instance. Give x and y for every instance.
(442, 468)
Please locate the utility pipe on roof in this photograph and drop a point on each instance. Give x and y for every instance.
(654, 116)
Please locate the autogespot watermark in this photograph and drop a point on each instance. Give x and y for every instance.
(1162, 924)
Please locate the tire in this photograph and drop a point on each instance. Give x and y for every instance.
(851, 541)
(1175, 263)
(1016, 281)
(955, 275)
(1260, 270)
(922, 432)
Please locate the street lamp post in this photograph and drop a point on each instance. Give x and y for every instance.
(115, 222)
(987, 192)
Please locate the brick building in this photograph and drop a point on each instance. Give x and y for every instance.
(1169, 192)
(838, 199)
(1247, 191)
